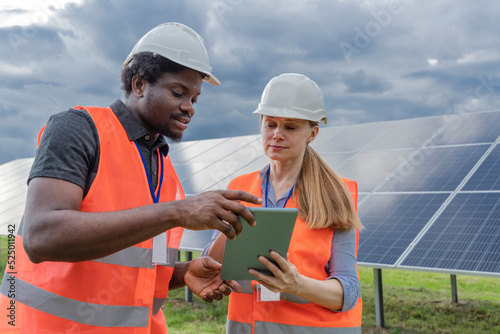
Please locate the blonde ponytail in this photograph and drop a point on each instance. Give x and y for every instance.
(324, 200)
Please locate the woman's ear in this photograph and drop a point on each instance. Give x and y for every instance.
(313, 134)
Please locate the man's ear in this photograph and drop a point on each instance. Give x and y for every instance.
(138, 86)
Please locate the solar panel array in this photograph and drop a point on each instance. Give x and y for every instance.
(429, 187)
(438, 209)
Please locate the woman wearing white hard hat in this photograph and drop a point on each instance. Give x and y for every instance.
(316, 287)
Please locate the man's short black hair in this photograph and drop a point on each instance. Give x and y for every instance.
(149, 66)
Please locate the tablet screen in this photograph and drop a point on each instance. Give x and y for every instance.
(273, 231)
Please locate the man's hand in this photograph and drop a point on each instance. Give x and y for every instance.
(218, 210)
(203, 278)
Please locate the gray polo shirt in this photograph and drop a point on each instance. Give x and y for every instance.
(69, 149)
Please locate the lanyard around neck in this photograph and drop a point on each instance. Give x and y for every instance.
(267, 186)
(155, 197)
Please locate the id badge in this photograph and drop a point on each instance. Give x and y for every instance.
(160, 249)
(266, 295)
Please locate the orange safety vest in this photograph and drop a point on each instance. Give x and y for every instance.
(119, 293)
(309, 251)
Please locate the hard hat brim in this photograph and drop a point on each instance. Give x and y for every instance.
(211, 79)
(290, 113)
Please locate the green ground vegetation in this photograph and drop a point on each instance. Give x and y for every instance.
(414, 302)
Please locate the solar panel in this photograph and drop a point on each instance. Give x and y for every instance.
(350, 138)
(13, 188)
(392, 221)
(194, 150)
(15, 173)
(436, 169)
(371, 168)
(195, 240)
(230, 146)
(174, 148)
(184, 170)
(487, 176)
(257, 163)
(409, 133)
(210, 176)
(465, 237)
(217, 174)
(326, 137)
(468, 128)
(335, 160)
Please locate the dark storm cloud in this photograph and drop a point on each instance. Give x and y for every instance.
(30, 43)
(359, 82)
(374, 60)
(114, 27)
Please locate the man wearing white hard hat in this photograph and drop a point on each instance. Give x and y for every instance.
(315, 289)
(97, 247)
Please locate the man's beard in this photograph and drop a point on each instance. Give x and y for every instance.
(174, 138)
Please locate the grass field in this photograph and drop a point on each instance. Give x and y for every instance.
(414, 302)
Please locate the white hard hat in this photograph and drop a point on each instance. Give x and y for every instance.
(292, 95)
(180, 44)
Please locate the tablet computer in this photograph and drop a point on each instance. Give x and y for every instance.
(273, 231)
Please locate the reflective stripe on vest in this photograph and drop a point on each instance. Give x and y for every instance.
(275, 328)
(137, 257)
(119, 293)
(74, 310)
(309, 250)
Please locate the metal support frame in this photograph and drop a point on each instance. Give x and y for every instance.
(379, 297)
(188, 294)
(454, 291)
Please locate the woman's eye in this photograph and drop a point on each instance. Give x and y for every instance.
(176, 94)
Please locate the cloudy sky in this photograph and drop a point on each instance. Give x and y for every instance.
(374, 60)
